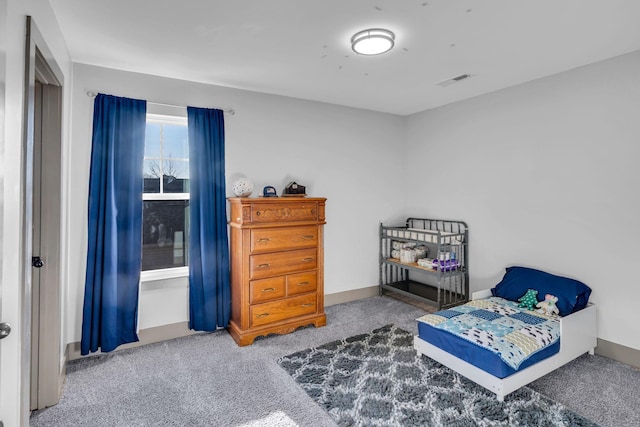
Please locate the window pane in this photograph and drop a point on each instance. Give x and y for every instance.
(151, 174)
(165, 234)
(166, 158)
(176, 142)
(152, 140)
(176, 176)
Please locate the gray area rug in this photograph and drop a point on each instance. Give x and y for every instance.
(378, 379)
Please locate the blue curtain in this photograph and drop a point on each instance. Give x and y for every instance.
(114, 253)
(209, 281)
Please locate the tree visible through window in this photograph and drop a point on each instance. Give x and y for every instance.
(165, 234)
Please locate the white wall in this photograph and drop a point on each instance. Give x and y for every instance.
(13, 363)
(546, 175)
(352, 157)
(543, 173)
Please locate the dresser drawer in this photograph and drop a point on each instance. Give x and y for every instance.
(302, 282)
(266, 289)
(276, 239)
(267, 265)
(270, 312)
(276, 212)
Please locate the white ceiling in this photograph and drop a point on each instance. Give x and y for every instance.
(300, 48)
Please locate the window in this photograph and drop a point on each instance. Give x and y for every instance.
(165, 212)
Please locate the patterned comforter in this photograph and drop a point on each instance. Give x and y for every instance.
(500, 326)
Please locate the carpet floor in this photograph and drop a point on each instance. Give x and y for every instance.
(207, 380)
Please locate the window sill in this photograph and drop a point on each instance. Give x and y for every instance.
(165, 273)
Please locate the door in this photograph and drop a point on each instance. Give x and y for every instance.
(45, 260)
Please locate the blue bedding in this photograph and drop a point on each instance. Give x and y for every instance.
(493, 334)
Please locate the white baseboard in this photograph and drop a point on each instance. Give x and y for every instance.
(181, 329)
(146, 336)
(618, 352)
(346, 296)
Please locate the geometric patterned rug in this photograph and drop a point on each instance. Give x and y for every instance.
(378, 379)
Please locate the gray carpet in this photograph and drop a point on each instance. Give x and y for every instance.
(207, 380)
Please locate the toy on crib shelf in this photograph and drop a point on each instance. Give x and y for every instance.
(548, 306)
(529, 299)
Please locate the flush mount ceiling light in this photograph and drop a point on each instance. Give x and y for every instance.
(373, 41)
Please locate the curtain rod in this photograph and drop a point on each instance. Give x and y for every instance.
(231, 111)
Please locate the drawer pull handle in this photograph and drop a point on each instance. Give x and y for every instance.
(303, 283)
(313, 211)
(264, 240)
(269, 290)
(308, 259)
(260, 316)
(307, 237)
(258, 213)
(262, 265)
(309, 304)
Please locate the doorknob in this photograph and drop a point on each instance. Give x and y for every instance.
(5, 330)
(37, 262)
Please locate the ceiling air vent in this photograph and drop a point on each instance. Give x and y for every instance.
(453, 80)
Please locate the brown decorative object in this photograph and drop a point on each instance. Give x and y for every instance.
(277, 266)
(293, 189)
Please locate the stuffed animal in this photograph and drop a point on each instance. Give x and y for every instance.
(548, 306)
(529, 299)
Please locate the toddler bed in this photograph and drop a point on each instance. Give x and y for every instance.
(502, 347)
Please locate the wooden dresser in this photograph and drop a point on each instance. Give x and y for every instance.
(277, 265)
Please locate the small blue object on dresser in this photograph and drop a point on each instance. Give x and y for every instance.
(269, 191)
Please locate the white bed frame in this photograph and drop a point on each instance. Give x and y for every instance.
(577, 336)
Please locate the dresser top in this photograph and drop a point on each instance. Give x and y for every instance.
(276, 211)
(275, 199)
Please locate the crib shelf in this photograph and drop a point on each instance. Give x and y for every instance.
(441, 277)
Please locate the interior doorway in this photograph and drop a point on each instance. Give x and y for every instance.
(44, 110)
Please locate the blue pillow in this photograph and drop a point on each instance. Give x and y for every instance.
(573, 295)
